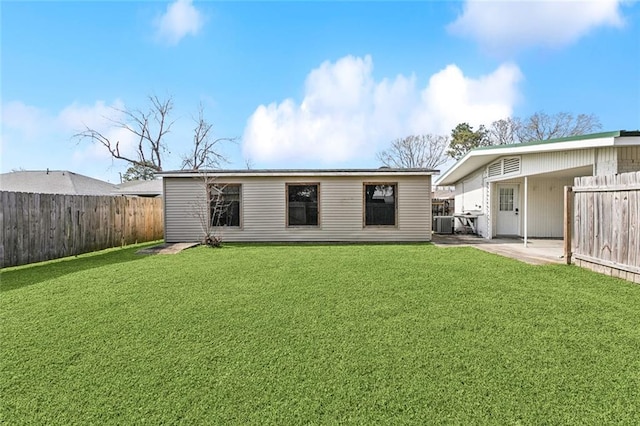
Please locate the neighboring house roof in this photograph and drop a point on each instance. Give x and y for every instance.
(383, 171)
(143, 188)
(54, 182)
(481, 157)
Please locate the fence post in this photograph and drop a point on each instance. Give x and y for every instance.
(568, 222)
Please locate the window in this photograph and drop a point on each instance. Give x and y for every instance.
(224, 205)
(380, 204)
(506, 199)
(302, 204)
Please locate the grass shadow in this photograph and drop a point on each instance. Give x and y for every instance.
(25, 275)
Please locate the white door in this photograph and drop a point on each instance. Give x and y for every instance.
(508, 217)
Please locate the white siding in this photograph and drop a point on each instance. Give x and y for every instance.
(546, 203)
(606, 161)
(263, 210)
(547, 162)
(469, 193)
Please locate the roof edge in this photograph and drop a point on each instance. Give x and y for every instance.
(612, 134)
(300, 172)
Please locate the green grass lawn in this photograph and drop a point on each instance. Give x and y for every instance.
(316, 334)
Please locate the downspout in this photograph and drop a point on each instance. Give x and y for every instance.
(526, 208)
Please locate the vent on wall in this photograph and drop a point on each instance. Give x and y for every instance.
(506, 166)
(511, 165)
(495, 169)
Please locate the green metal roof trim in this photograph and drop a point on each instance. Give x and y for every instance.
(614, 134)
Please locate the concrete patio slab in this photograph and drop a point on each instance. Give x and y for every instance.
(537, 252)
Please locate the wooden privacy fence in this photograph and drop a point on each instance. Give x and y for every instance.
(604, 227)
(37, 227)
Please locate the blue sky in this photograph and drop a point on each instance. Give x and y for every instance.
(304, 84)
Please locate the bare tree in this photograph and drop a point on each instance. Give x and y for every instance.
(203, 153)
(416, 151)
(505, 131)
(248, 163)
(149, 128)
(537, 127)
(207, 208)
(541, 126)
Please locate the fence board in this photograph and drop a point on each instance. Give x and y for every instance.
(606, 223)
(37, 227)
(2, 222)
(622, 243)
(634, 227)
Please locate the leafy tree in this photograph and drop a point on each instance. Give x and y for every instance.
(138, 172)
(464, 139)
(416, 151)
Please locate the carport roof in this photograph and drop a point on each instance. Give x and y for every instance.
(481, 157)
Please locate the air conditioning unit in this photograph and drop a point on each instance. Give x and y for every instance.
(443, 224)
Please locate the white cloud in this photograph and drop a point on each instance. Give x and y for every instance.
(33, 136)
(180, 20)
(346, 115)
(330, 124)
(33, 122)
(451, 98)
(100, 117)
(503, 27)
(26, 120)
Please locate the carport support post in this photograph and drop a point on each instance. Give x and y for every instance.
(568, 222)
(526, 192)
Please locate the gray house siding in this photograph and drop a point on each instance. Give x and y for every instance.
(263, 209)
(181, 220)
